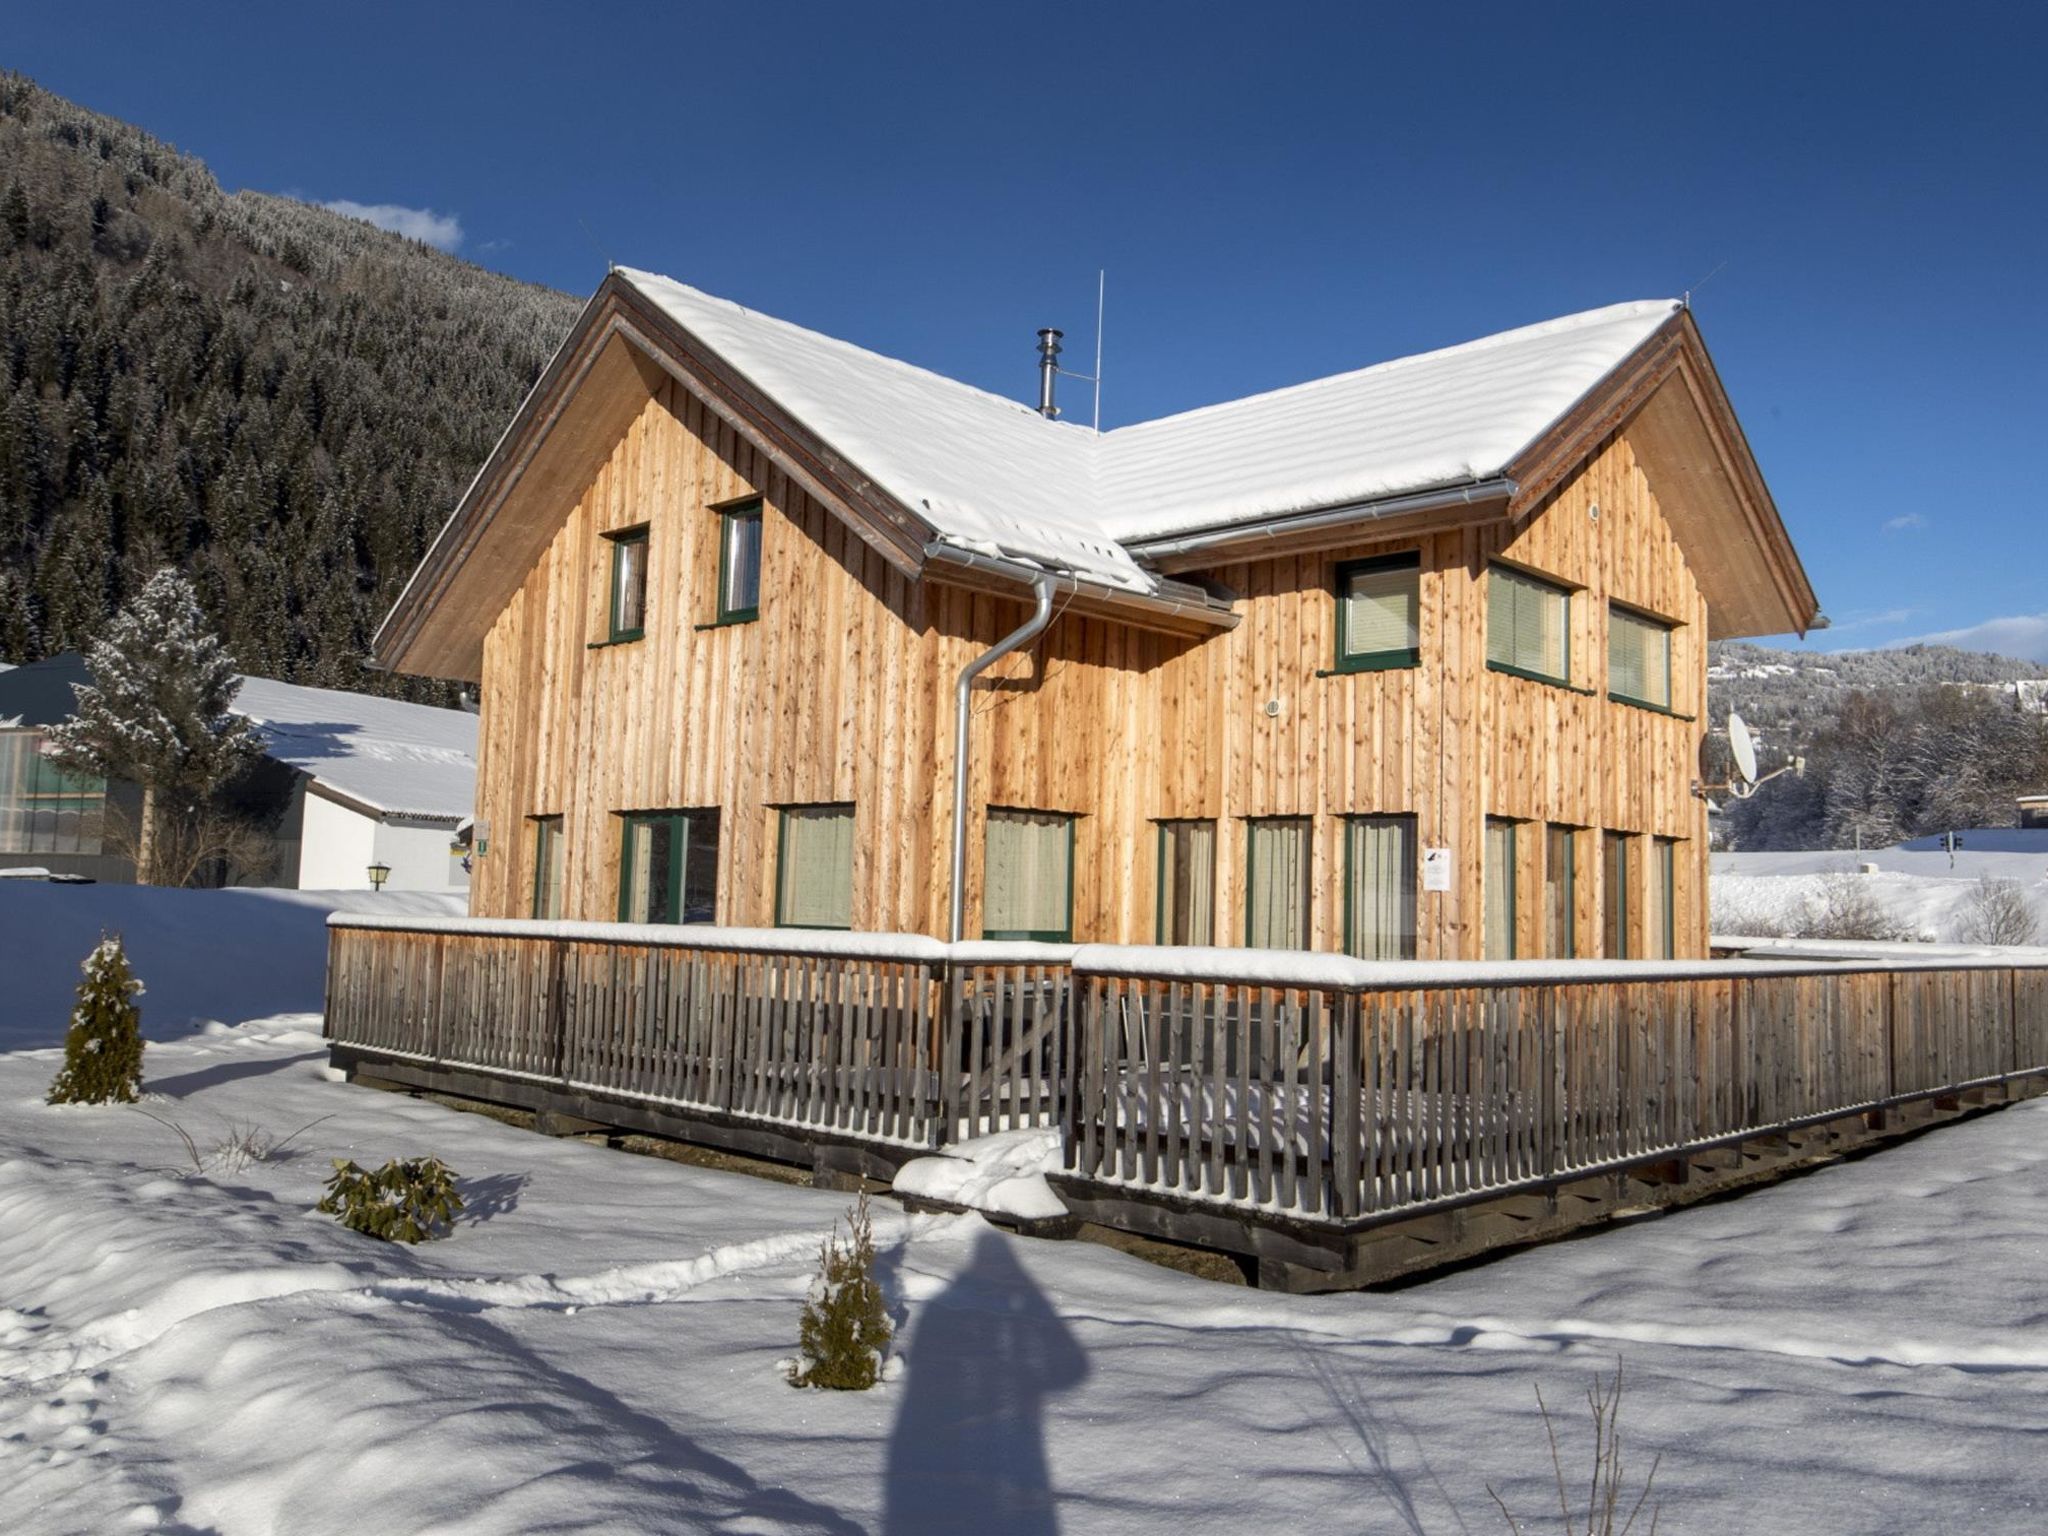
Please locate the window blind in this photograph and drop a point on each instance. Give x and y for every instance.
(1638, 658)
(1525, 623)
(1380, 608)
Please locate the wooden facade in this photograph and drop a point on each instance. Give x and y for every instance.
(840, 693)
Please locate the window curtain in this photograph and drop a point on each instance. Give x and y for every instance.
(1660, 926)
(1381, 861)
(1380, 610)
(43, 809)
(547, 867)
(1614, 904)
(1638, 658)
(1559, 878)
(1187, 882)
(1499, 876)
(817, 867)
(1277, 902)
(1026, 877)
(1525, 622)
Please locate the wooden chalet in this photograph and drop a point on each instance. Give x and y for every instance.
(1292, 801)
(1406, 663)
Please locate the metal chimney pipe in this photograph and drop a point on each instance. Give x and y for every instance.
(1048, 370)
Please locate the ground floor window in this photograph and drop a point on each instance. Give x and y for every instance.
(547, 866)
(1661, 925)
(1187, 882)
(1028, 876)
(1614, 897)
(1498, 888)
(668, 872)
(814, 868)
(44, 809)
(1276, 880)
(1560, 890)
(1379, 887)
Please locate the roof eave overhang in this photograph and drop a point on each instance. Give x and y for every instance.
(1334, 527)
(1667, 387)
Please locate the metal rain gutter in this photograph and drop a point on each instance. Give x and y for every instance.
(1044, 585)
(1194, 605)
(1498, 489)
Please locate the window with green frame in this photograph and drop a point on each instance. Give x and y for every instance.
(1638, 658)
(814, 867)
(1497, 877)
(1560, 890)
(1379, 605)
(45, 808)
(1528, 626)
(547, 866)
(1276, 882)
(1027, 877)
(1379, 887)
(1614, 873)
(668, 867)
(1187, 882)
(739, 563)
(1661, 927)
(629, 584)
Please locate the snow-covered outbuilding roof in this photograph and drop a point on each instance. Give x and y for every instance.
(992, 474)
(383, 755)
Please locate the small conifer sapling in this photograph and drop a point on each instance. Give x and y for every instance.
(845, 1327)
(103, 1046)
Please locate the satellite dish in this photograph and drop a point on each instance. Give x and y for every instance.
(1743, 746)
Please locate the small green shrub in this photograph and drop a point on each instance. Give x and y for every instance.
(402, 1202)
(103, 1046)
(845, 1327)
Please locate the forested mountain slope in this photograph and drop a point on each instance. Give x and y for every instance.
(284, 401)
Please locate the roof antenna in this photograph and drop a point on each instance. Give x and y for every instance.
(1101, 282)
(610, 266)
(1685, 300)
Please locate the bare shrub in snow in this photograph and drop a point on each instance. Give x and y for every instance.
(1996, 912)
(845, 1327)
(103, 1046)
(1847, 908)
(1607, 1486)
(1744, 915)
(405, 1201)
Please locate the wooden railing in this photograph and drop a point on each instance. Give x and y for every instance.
(1329, 1089)
(894, 1039)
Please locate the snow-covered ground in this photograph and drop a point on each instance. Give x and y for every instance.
(594, 1349)
(1921, 889)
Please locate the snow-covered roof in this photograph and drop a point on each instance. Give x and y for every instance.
(991, 474)
(387, 755)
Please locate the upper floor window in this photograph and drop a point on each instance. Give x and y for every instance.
(668, 870)
(1187, 882)
(1638, 658)
(1028, 876)
(547, 866)
(43, 808)
(814, 868)
(1379, 606)
(1527, 625)
(739, 563)
(629, 583)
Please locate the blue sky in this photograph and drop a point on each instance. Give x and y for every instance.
(1277, 192)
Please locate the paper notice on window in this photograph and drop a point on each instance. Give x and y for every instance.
(1436, 869)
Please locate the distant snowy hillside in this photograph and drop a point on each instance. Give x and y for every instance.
(1791, 695)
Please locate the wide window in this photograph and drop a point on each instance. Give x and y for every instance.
(1498, 879)
(1276, 882)
(669, 869)
(1187, 882)
(1378, 608)
(547, 866)
(1028, 876)
(1614, 876)
(1379, 890)
(1638, 658)
(629, 584)
(1661, 913)
(44, 809)
(1527, 625)
(1560, 882)
(739, 563)
(814, 868)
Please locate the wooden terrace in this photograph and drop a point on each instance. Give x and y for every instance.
(1332, 1122)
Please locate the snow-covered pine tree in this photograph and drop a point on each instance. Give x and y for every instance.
(845, 1327)
(156, 710)
(103, 1046)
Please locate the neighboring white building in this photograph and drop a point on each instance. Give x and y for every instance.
(381, 782)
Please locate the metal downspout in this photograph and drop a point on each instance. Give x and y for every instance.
(1028, 631)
